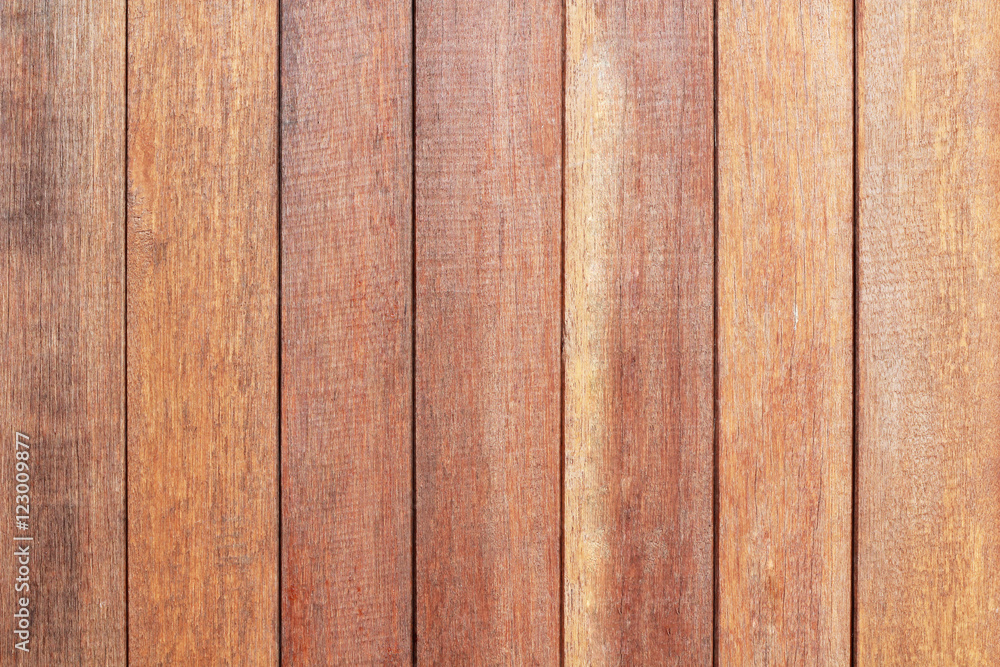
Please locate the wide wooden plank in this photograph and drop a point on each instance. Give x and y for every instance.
(928, 333)
(346, 332)
(62, 225)
(639, 333)
(202, 333)
(488, 168)
(785, 249)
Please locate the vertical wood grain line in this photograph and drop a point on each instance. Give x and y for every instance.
(715, 333)
(124, 351)
(413, 332)
(279, 240)
(562, 350)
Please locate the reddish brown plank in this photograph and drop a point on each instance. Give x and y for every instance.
(62, 221)
(488, 155)
(639, 333)
(202, 333)
(346, 332)
(928, 345)
(785, 249)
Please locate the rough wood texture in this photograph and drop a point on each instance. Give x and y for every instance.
(488, 325)
(62, 219)
(928, 344)
(785, 331)
(639, 333)
(202, 333)
(346, 332)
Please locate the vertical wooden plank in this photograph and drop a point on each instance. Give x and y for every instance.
(202, 333)
(639, 333)
(488, 213)
(347, 331)
(62, 216)
(928, 344)
(785, 331)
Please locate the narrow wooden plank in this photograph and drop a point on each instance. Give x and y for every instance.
(346, 332)
(785, 315)
(202, 333)
(488, 174)
(639, 333)
(62, 216)
(928, 345)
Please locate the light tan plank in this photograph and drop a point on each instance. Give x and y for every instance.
(785, 331)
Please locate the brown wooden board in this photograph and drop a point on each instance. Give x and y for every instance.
(347, 329)
(928, 478)
(488, 214)
(202, 333)
(785, 248)
(62, 222)
(639, 333)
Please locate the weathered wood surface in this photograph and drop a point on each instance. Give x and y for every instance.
(639, 333)
(202, 333)
(928, 478)
(785, 248)
(346, 332)
(488, 173)
(62, 220)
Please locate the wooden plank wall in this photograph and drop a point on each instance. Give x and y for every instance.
(510, 332)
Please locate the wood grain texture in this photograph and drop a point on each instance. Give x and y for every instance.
(785, 252)
(639, 333)
(488, 168)
(346, 332)
(62, 220)
(202, 333)
(928, 345)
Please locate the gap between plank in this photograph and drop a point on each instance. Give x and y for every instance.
(280, 378)
(413, 331)
(854, 337)
(716, 503)
(562, 358)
